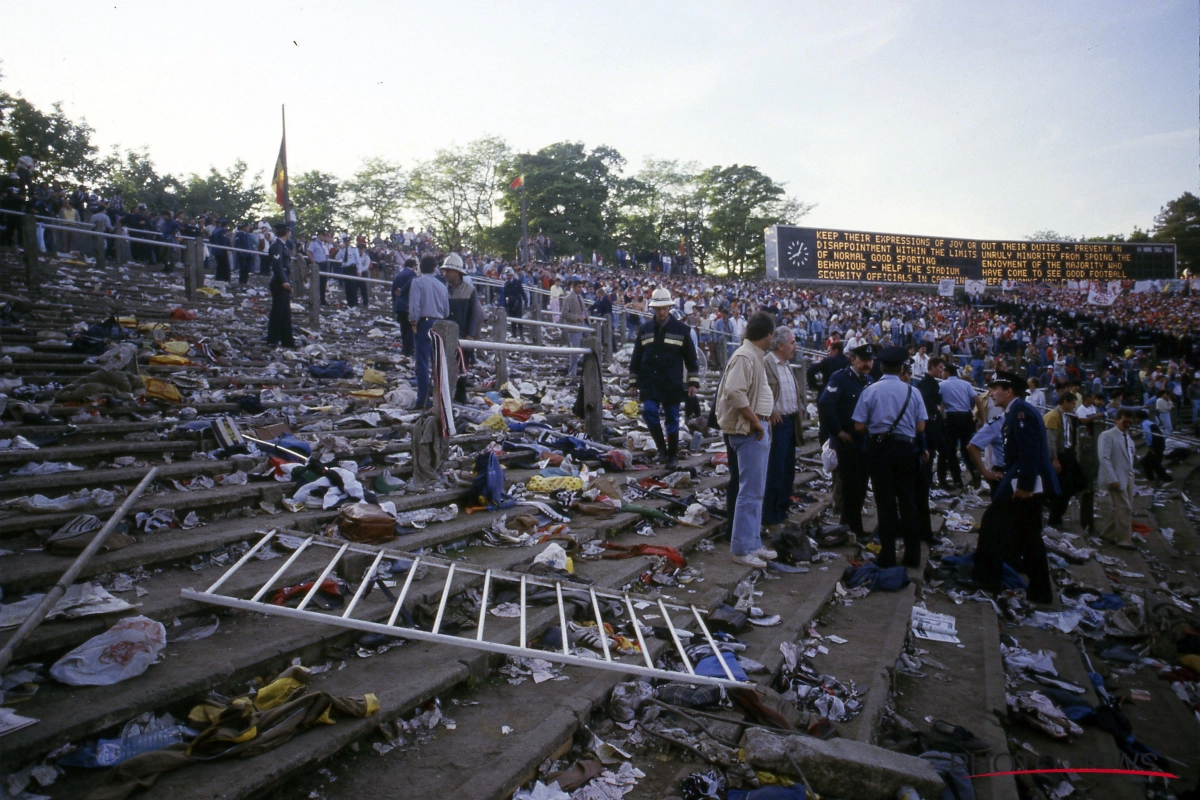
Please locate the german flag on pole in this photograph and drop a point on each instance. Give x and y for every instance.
(279, 176)
(518, 182)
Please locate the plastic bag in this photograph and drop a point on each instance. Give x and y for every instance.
(829, 460)
(124, 651)
(553, 556)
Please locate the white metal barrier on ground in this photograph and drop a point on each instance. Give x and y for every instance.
(475, 639)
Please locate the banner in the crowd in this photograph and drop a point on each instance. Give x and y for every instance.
(1103, 294)
(1008, 286)
(1142, 286)
(825, 254)
(974, 288)
(946, 287)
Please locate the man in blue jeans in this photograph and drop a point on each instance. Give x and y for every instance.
(428, 301)
(787, 388)
(744, 407)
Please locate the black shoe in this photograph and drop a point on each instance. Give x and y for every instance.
(672, 450)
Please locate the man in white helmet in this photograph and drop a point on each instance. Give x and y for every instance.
(662, 350)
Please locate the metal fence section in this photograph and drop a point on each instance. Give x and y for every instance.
(475, 638)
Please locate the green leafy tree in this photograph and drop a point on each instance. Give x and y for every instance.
(138, 179)
(1179, 222)
(571, 196)
(734, 205)
(1048, 235)
(319, 201)
(61, 146)
(657, 205)
(227, 193)
(455, 192)
(376, 196)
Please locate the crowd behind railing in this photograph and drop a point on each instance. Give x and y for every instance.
(1144, 342)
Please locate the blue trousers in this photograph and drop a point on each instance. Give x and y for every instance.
(652, 412)
(424, 348)
(752, 479)
(781, 472)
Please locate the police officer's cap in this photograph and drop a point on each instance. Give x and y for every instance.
(863, 351)
(893, 355)
(1009, 380)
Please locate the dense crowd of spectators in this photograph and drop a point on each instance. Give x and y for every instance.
(1147, 342)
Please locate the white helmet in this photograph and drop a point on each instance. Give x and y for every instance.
(454, 261)
(661, 298)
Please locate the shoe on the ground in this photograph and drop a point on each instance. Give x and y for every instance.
(750, 560)
(766, 554)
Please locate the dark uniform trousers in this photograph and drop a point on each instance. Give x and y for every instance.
(960, 427)
(1071, 480)
(279, 323)
(890, 462)
(923, 470)
(1011, 531)
(852, 469)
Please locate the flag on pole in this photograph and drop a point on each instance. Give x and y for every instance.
(518, 182)
(279, 176)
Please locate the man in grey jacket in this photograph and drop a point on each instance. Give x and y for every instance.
(1115, 451)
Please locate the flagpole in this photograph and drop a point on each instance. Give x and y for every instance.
(524, 226)
(287, 198)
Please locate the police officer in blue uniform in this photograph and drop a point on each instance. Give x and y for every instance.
(934, 431)
(1011, 529)
(662, 350)
(958, 398)
(892, 413)
(835, 415)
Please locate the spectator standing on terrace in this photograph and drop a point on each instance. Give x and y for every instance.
(574, 313)
(220, 236)
(279, 324)
(744, 406)
(428, 301)
(318, 253)
(401, 286)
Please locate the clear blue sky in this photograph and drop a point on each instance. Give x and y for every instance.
(976, 119)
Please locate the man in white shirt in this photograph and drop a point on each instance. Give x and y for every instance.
(318, 252)
(920, 364)
(349, 260)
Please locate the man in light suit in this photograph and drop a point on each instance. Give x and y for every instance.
(787, 389)
(1114, 449)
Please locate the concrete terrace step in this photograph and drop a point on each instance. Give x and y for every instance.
(201, 500)
(545, 718)
(252, 644)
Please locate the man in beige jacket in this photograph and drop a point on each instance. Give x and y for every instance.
(574, 312)
(1114, 449)
(744, 407)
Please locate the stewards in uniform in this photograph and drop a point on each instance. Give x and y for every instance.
(1011, 529)
(279, 323)
(662, 351)
(935, 434)
(958, 398)
(835, 410)
(987, 451)
(892, 414)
